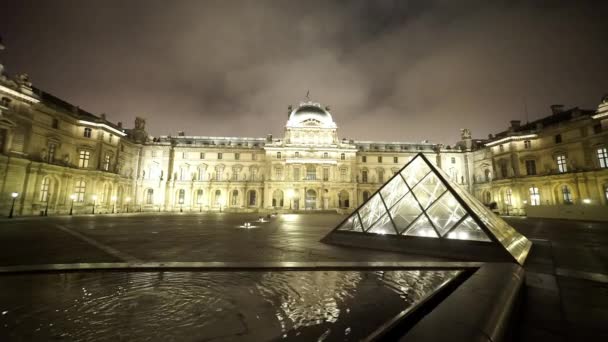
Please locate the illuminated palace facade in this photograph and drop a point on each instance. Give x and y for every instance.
(56, 157)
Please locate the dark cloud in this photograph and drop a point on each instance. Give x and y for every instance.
(391, 70)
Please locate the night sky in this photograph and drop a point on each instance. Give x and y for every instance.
(390, 70)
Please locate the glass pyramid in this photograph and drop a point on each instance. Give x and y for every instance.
(421, 202)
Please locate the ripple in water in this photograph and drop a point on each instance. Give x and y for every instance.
(210, 306)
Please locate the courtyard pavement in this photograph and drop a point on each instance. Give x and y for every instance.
(565, 299)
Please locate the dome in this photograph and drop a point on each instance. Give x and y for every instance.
(310, 114)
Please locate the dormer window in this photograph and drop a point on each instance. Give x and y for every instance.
(87, 132)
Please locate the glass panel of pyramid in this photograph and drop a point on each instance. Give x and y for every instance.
(415, 171)
(428, 190)
(394, 190)
(434, 204)
(422, 227)
(371, 211)
(445, 213)
(383, 226)
(468, 230)
(405, 212)
(351, 224)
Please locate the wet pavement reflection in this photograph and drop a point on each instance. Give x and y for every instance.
(209, 306)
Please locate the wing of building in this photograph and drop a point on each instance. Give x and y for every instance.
(58, 157)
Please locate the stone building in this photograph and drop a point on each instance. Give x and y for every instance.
(57, 158)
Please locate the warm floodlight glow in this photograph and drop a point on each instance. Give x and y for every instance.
(14, 194)
(73, 197)
(94, 197)
(290, 193)
(113, 198)
(586, 201)
(128, 199)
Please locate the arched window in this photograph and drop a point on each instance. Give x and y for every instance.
(181, 196)
(44, 189)
(218, 197)
(235, 198)
(79, 190)
(534, 196)
(566, 194)
(149, 196)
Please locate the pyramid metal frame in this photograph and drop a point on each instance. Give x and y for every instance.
(504, 242)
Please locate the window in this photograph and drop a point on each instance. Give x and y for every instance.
(364, 176)
(364, 159)
(184, 155)
(235, 198)
(566, 194)
(55, 123)
(343, 175)
(87, 132)
(218, 175)
(199, 197)
(342, 156)
(534, 196)
(561, 163)
(52, 150)
(122, 148)
(597, 128)
(606, 192)
(237, 156)
(558, 138)
(235, 174)
(379, 159)
(325, 174)
(79, 190)
(106, 162)
(508, 197)
(325, 155)
(311, 172)
(527, 144)
(219, 156)
(278, 155)
(396, 160)
(278, 173)
(602, 156)
(111, 136)
(149, 196)
(501, 148)
(44, 189)
(530, 167)
(181, 197)
(365, 195)
(252, 195)
(83, 158)
(504, 170)
(296, 174)
(297, 154)
(254, 156)
(453, 160)
(202, 155)
(380, 176)
(254, 174)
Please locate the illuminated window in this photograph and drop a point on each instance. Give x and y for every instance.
(106, 162)
(530, 167)
(83, 158)
(602, 156)
(79, 190)
(561, 163)
(181, 197)
(534, 196)
(87, 132)
(44, 189)
(566, 194)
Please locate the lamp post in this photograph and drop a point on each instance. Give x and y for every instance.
(128, 199)
(72, 197)
(46, 208)
(94, 203)
(113, 204)
(290, 197)
(14, 195)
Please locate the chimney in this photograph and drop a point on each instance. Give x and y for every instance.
(515, 124)
(557, 108)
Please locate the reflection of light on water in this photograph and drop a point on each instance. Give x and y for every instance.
(247, 225)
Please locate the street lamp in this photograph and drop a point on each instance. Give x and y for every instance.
(72, 197)
(113, 198)
(14, 195)
(128, 199)
(290, 197)
(94, 203)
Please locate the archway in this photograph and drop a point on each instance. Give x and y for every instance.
(277, 198)
(311, 199)
(343, 199)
